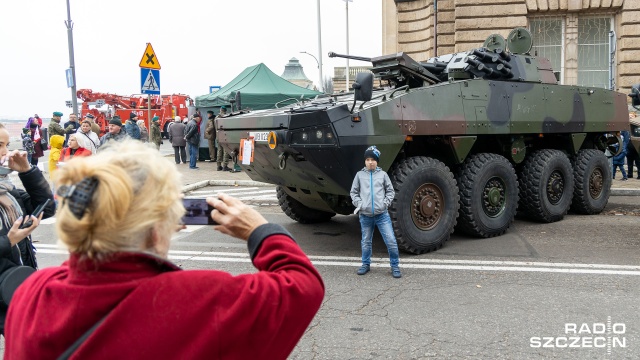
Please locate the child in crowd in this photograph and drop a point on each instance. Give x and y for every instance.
(372, 193)
(56, 142)
(27, 143)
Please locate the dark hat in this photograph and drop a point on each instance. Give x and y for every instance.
(223, 108)
(155, 118)
(33, 124)
(372, 152)
(196, 115)
(57, 113)
(132, 115)
(90, 116)
(210, 112)
(115, 121)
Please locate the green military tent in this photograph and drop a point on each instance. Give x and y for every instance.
(259, 89)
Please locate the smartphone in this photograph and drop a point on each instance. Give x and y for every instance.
(26, 221)
(198, 212)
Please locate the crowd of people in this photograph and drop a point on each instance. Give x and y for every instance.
(118, 274)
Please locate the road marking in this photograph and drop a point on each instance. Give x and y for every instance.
(432, 264)
(222, 190)
(233, 193)
(47, 221)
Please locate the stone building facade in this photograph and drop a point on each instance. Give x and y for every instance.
(589, 42)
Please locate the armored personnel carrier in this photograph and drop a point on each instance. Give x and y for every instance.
(468, 139)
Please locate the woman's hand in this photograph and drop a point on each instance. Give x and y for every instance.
(234, 217)
(17, 160)
(16, 234)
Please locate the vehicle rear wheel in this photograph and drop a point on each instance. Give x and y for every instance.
(488, 195)
(592, 176)
(298, 212)
(546, 185)
(425, 208)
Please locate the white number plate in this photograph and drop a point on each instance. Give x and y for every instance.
(260, 136)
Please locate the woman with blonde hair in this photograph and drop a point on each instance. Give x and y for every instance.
(118, 212)
(144, 133)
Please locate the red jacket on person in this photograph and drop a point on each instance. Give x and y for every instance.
(155, 311)
(66, 153)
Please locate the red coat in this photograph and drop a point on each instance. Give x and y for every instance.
(158, 312)
(66, 153)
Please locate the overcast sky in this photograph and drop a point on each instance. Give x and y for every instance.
(198, 43)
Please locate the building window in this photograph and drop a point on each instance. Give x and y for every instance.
(548, 41)
(593, 52)
(588, 61)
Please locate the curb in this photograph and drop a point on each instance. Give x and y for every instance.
(625, 192)
(205, 183)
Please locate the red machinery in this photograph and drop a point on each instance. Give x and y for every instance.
(166, 107)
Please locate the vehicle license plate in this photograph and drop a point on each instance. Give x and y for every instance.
(261, 136)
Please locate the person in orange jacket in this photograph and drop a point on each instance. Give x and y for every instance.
(76, 148)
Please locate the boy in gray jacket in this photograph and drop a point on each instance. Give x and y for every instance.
(372, 193)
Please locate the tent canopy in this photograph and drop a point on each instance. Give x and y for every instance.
(259, 89)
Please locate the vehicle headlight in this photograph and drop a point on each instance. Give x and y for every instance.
(317, 135)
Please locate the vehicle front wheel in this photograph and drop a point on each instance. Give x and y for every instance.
(425, 208)
(298, 212)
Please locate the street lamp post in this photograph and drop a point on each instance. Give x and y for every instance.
(72, 66)
(347, 72)
(320, 48)
(318, 63)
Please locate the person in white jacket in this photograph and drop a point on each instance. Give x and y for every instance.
(371, 194)
(84, 131)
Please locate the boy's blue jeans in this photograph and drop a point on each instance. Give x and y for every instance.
(367, 225)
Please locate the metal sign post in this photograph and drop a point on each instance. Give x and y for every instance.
(149, 77)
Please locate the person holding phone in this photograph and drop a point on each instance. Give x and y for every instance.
(118, 212)
(15, 206)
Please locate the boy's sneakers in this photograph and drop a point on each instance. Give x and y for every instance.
(624, 179)
(395, 272)
(363, 269)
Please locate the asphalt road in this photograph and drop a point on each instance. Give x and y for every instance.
(517, 296)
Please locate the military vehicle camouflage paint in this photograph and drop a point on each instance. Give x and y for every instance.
(467, 139)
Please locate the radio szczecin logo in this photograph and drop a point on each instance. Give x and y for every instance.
(607, 335)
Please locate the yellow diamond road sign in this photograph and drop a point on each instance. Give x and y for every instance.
(149, 59)
(271, 140)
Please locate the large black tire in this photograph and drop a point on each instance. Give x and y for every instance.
(488, 195)
(592, 175)
(298, 212)
(546, 185)
(425, 208)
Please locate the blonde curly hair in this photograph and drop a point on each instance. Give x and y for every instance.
(138, 192)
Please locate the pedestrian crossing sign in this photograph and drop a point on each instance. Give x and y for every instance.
(149, 81)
